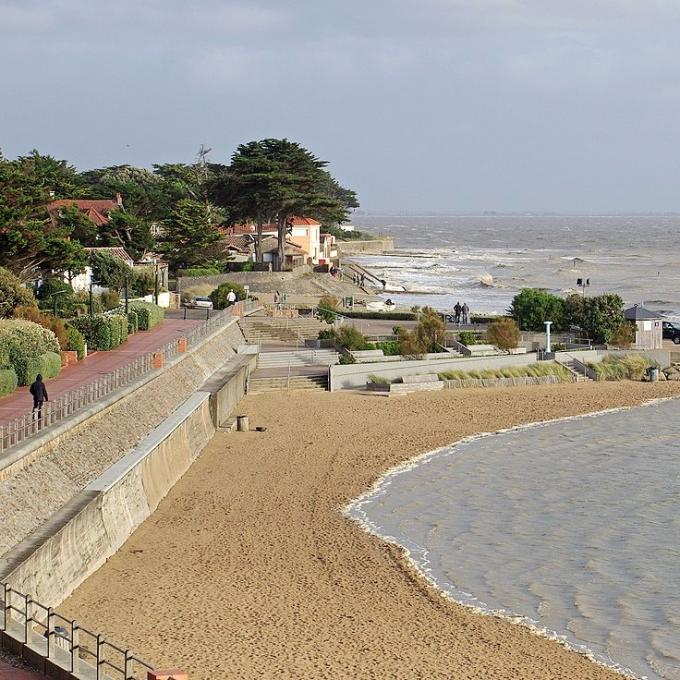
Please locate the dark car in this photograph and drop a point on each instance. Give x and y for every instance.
(671, 331)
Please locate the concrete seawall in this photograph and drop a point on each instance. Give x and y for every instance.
(378, 245)
(55, 559)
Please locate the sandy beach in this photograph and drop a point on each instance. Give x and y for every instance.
(249, 570)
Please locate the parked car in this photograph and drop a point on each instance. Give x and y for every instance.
(671, 331)
(200, 303)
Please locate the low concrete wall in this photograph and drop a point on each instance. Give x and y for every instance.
(227, 387)
(356, 375)
(76, 541)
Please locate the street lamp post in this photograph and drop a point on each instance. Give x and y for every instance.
(548, 347)
(126, 293)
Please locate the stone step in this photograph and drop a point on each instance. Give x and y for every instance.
(256, 385)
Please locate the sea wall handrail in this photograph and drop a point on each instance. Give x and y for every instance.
(24, 427)
(18, 622)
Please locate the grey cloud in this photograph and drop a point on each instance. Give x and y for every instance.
(419, 104)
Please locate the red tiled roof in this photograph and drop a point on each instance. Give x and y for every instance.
(304, 222)
(97, 211)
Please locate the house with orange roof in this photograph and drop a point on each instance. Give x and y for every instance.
(97, 211)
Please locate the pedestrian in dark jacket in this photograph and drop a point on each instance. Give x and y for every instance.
(39, 392)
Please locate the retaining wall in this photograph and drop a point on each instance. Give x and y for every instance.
(54, 560)
(356, 375)
(244, 278)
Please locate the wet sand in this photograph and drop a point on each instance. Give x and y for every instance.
(248, 569)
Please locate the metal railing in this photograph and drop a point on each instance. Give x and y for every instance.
(31, 424)
(64, 641)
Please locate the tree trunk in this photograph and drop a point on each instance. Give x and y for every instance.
(258, 243)
(281, 225)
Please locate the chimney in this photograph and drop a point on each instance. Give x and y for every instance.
(119, 199)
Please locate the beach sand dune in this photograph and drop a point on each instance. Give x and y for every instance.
(249, 570)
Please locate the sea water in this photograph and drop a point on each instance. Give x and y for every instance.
(573, 526)
(443, 259)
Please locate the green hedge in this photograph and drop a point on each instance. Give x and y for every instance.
(386, 316)
(149, 314)
(199, 271)
(24, 342)
(75, 341)
(103, 332)
(50, 365)
(8, 381)
(96, 330)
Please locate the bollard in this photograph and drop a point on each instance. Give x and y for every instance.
(157, 360)
(242, 423)
(182, 345)
(167, 675)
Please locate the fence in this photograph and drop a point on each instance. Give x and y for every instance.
(43, 633)
(29, 425)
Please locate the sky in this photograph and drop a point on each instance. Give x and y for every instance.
(419, 105)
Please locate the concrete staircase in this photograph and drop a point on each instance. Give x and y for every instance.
(577, 369)
(301, 357)
(294, 382)
(265, 329)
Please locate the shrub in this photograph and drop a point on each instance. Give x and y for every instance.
(148, 314)
(531, 307)
(24, 343)
(431, 329)
(52, 323)
(327, 334)
(390, 348)
(468, 338)
(57, 291)
(219, 295)
(410, 345)
(13, 293)
(347, 359)
(75, 341)
(82, 303)
(350, 338)
(623, 336)
(50, 365)
(110, 300)
(8, 381)
(327, 306)
(503, 333)
(132, 322)
(377, 380)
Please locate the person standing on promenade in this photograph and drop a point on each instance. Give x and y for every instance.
(466, 313)
(456, 312)
(231, 297)
(39, 392)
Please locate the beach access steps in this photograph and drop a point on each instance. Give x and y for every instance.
(317, 382)
(264, 329)
(297, 357)
(577, 368)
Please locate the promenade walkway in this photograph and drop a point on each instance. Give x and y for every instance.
(97, 364)
(8, 672)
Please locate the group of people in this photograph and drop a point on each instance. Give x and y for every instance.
(358, 279)
(461, 313)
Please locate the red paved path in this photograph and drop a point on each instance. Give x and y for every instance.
(89, 369)
(8, 672)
